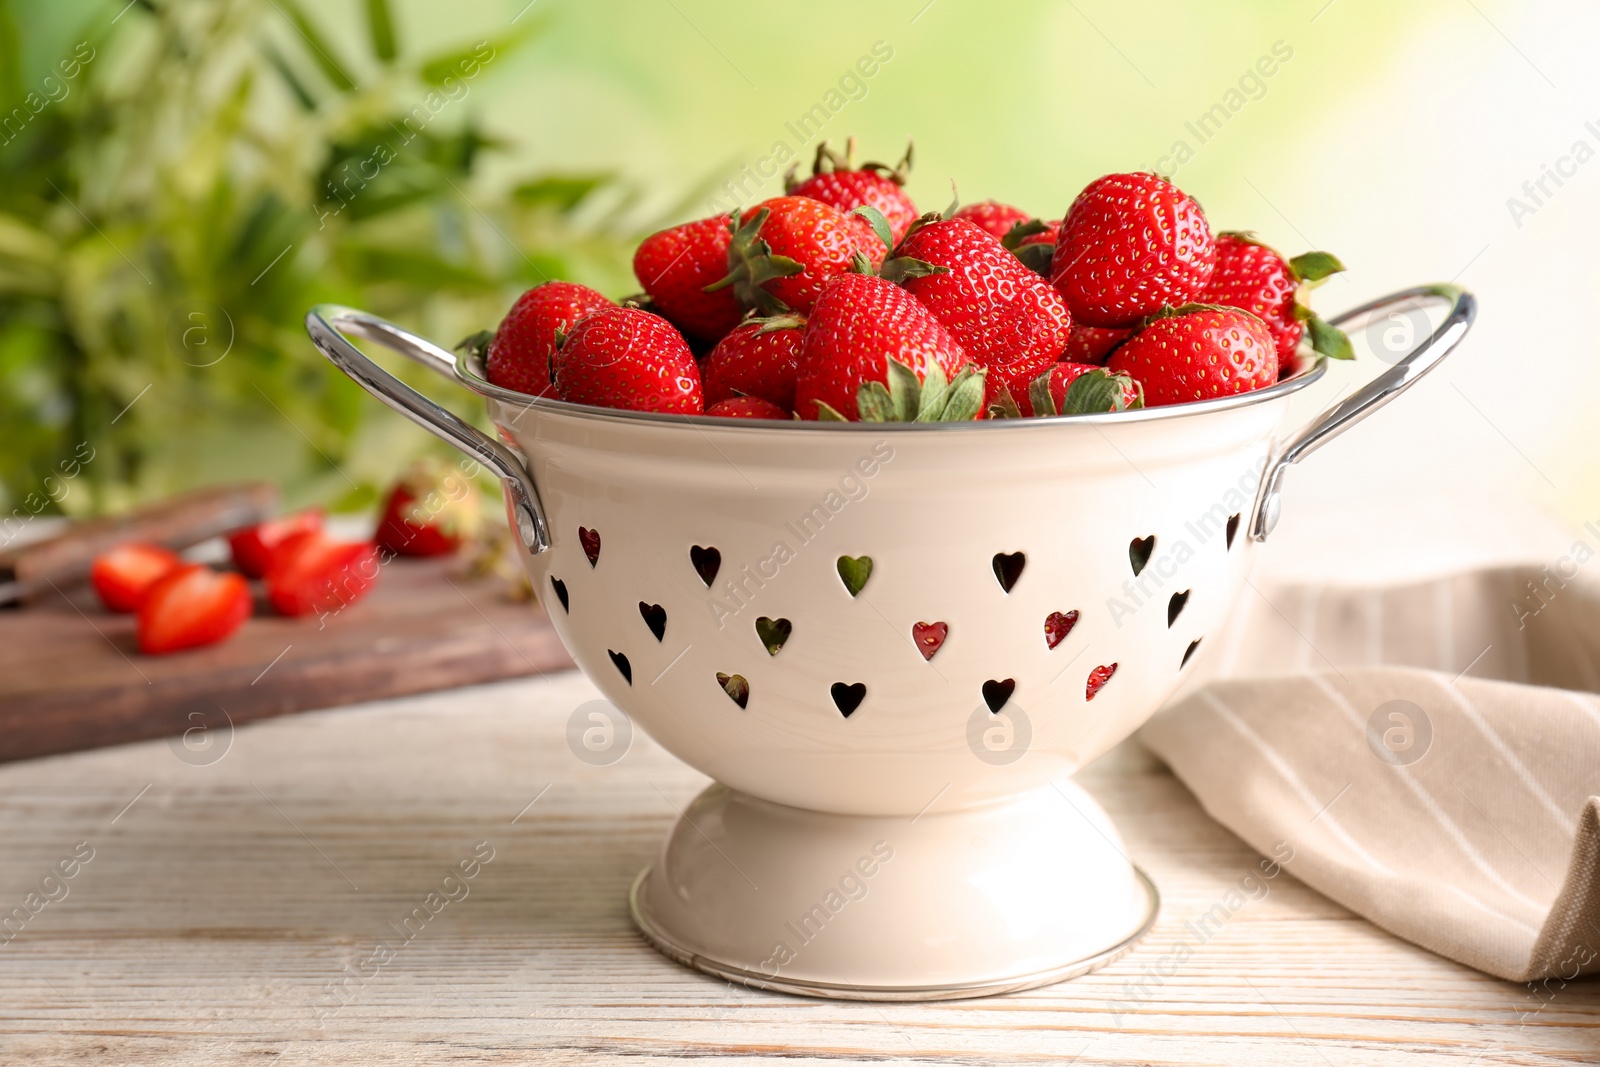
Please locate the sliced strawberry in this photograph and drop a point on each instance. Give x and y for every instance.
(747, 407)
(313, 572)
(190, 607)
(253, 546)
(123, 576)
(429, 512)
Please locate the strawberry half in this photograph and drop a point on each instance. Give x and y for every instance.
(314, 572)
(1198, 352)
(676, 265)
(758, 358)
(837, 181)
(1006, 318)
(252, 547)
(429, 512)
(628, 358)
(1130, 245)
(520, 352)
(1254, 278)
(124, 575)
(190, 607)
(747, 407)
(858, 328)
(789, 247)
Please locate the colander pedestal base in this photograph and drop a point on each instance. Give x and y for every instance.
(974, 902)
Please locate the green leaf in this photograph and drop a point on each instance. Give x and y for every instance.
(321, 51)
(1040, 397)
(380, 24)
(854, 572)
(469, 62)
(1328, 340)
(874, 404)
(476, 345)
(561, 192)
(907, 391)
(290, 78)
(1037, 257)
(10, 56)
(880, 225)
(934, 390)
(1097, 391)
(1005, 406)
(1019, 230)
(964, 398)
(827, 413)
(899, 269)
(1314, 267)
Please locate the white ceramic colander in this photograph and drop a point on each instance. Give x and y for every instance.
(891, 645)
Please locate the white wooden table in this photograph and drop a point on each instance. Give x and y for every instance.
(225, 901)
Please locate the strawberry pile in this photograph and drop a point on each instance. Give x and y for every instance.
(841, 301)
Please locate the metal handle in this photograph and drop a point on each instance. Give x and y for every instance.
(330, 324)
(1370, 397)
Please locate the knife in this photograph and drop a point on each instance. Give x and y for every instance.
(176, 522)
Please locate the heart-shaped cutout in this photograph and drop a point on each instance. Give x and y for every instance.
(561, 593)
(1188, 653)
(929, 637)
(1098, 678)
(1139, 550)
(707, 562)
(624, 668)
(773, 633)
(590, 540)
(655, 617)
(1057, 625)
(1233, 527)
(847, 698)
(854, 572)
(995, 694)
(736, 687)
(1008, 568)
(1175, 606)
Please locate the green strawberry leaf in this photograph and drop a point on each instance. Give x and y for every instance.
(860, 264)
(875, 404)
(1040, 396)
(1036, 257)
(1315, 267)
(879, 224)
(949, 212)
(899, 269)
(751, 265)
(964, 397)
(1096, 391)
(906, 391)
(779, 322)
(828, 413)
(1005, 406)
(1327, 340)
(1018, 231)
(476, 345)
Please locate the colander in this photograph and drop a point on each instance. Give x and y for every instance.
(890, 646)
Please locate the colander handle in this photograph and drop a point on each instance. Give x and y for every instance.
(1370, 397)
(330, 326)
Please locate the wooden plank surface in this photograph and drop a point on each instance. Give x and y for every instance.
(71, 676)
(224, 900)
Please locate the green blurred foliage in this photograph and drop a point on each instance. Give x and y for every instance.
(180, 182)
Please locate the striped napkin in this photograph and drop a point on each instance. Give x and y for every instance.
(1430, 752)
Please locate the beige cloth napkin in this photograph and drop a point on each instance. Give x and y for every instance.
(1430, 752)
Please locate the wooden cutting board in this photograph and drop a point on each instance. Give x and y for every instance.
(71, 676)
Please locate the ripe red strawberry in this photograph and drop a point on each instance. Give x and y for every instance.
(1254, 278)
(992, 217)
(839, 183)
(789, 247)
(1118, 393)
(520, 352)
(1097, 679)
(191, 606)
(253, 546)
(676, 265)
(313, 572)
(859, 325)
(123, 575)
(1198, 352)
(1131, 244)
(429, 512)
(1006, 318)
(747, 407)
(1091, 344)
(758, 358)
(627, 358)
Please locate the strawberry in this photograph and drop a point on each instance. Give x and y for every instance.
(992, 217)
(676, 265)
(1254, 278)
(860, 327)
(1078, 388)
(191, 606)
(1197, 352)
(627, 358)
(429, 512)
(123, 575)
(315, 572)
(747, 407)
(520, 351)
(789, 247)
(1131, 244)
(253, 546)
(838, 182)
(1091, 344)
(758, 358)
(1006, 318)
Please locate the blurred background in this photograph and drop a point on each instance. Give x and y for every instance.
(181, 179)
